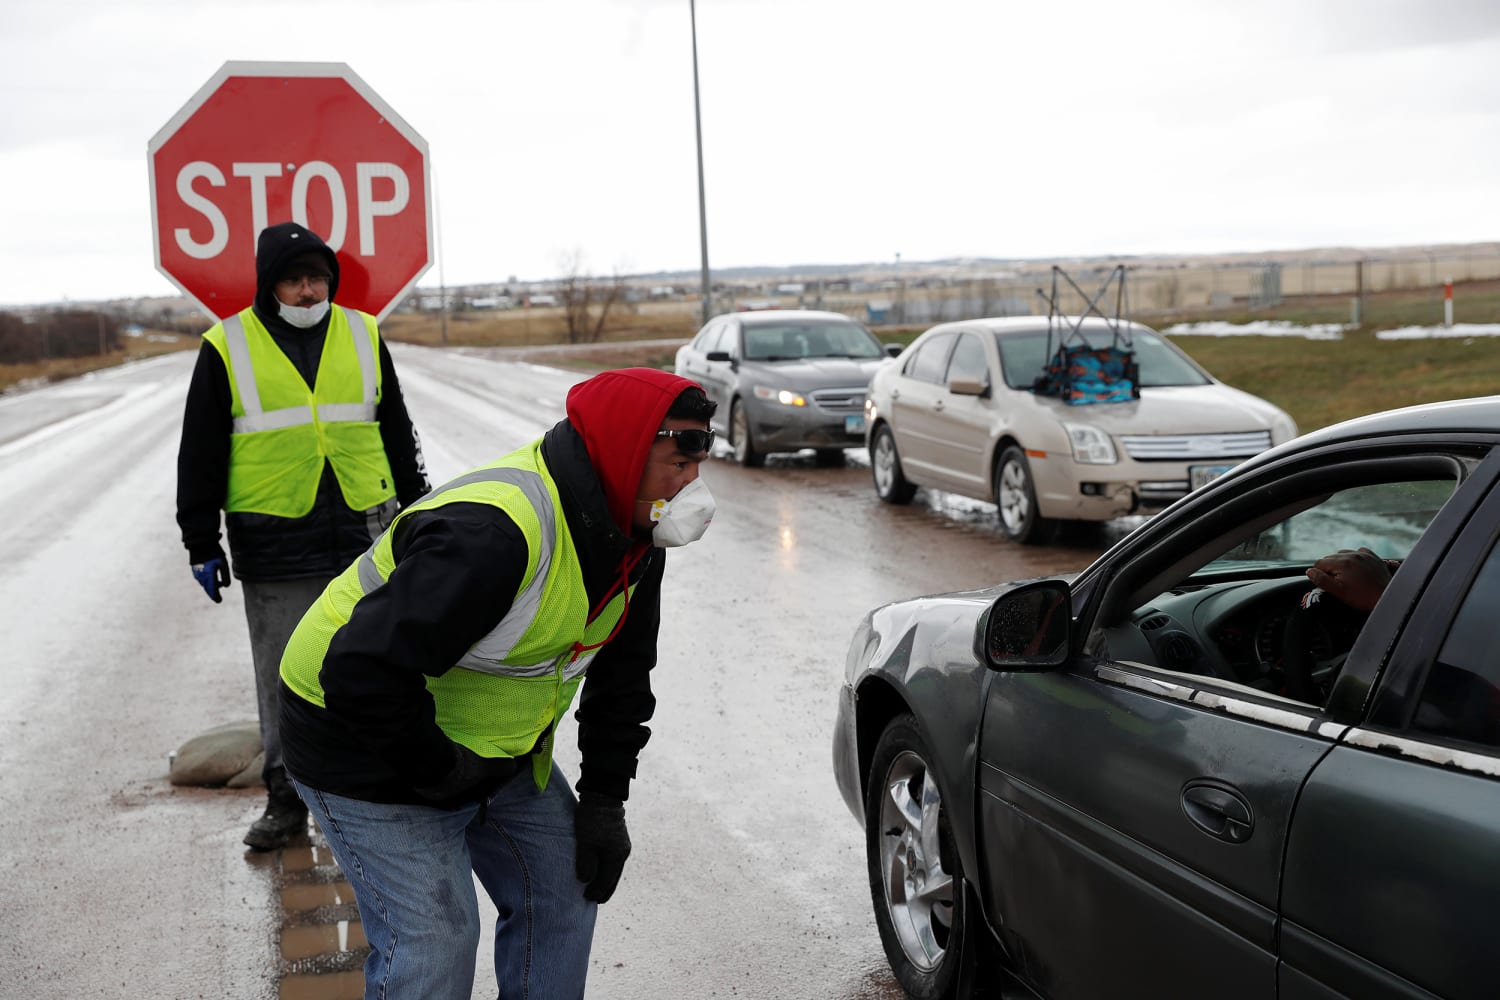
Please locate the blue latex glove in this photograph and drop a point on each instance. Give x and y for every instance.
(211, 576)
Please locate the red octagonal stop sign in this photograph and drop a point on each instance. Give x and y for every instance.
(263, 143)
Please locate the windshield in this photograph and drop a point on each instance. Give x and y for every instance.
(809, 339)
(1023, 355)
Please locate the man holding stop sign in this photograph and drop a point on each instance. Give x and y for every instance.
(294, 427)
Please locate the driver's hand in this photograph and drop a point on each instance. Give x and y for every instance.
(1356, 578)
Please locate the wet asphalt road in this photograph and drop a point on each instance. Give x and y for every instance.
(748, 875)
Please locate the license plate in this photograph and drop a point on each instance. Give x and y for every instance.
(854, 423)
(1202, 475)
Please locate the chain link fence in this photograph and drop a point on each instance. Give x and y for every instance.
(929, 295)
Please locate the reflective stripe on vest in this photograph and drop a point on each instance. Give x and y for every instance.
(489, 706)
(488, 654)
(285, 431)
(257, 419)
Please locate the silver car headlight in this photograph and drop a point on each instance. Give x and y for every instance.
(1091, 446)
(785, 397)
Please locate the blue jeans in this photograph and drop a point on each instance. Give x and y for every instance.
(412, 869)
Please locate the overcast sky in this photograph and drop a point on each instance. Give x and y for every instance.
(834, 131)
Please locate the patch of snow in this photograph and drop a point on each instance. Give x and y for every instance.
(1260, 328)
(1427, 332)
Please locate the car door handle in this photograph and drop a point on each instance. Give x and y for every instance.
(1218, 810)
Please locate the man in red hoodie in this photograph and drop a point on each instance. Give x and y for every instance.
(420, 694)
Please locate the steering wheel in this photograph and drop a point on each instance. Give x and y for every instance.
(1315, 643)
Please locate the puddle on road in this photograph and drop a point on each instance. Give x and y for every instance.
(323, 945)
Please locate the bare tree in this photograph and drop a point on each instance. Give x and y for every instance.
(586, 300)
(57, 333)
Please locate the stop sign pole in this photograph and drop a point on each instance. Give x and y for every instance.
(268, 142)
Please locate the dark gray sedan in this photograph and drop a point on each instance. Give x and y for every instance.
(1188, 772)
(785, 380)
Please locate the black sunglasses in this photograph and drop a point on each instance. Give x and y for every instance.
(692, 441)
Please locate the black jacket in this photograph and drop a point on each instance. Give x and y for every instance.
(263, 547)
(458, 568)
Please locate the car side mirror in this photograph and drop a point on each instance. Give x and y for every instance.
(718, 356)
(962, 385)
(1028, 628)
(894, 350)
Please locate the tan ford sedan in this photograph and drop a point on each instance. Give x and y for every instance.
(956, 412)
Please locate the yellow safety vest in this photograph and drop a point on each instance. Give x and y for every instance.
(283, 432)
(514, 683)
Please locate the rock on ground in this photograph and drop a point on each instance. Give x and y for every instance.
(228, 755)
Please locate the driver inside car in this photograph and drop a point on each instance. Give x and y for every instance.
(1355, 579)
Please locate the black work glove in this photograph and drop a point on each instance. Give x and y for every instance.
(212, 574)
(471, 778)
(603, 844)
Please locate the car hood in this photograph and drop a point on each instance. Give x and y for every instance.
(816, 371)
(1185, 409)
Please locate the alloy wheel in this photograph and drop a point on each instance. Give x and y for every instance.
(1014, 497)
(918, 888)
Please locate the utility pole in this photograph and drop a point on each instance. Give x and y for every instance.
(702, 209)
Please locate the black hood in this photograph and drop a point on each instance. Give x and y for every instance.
(277, 247)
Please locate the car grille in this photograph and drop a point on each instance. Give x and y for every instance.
(840, 400)
(1189, 447)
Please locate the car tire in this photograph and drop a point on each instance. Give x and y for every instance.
(740, 439)
(891, 484)
(829, 458)
(918, 897)
(1015, 496)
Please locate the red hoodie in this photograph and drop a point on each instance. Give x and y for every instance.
(606, 411)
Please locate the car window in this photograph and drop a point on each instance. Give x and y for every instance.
(1386, 518)
(703, 343)
(810, 339)
(930, 360)
(1160, 363)
(1241, 610)
(968, 360)
(844, 340)
(1461, 699)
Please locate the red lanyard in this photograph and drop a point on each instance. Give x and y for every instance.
(625, 568)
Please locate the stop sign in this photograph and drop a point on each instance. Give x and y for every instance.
(263, 143)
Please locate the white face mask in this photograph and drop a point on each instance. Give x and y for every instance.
(305, 317)
(684, 518)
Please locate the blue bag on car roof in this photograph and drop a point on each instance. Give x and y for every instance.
(1079, 372)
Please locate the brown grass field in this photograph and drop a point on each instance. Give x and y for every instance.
(1317, 381)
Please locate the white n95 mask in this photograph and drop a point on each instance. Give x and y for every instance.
(684, 518)
(305, 317)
